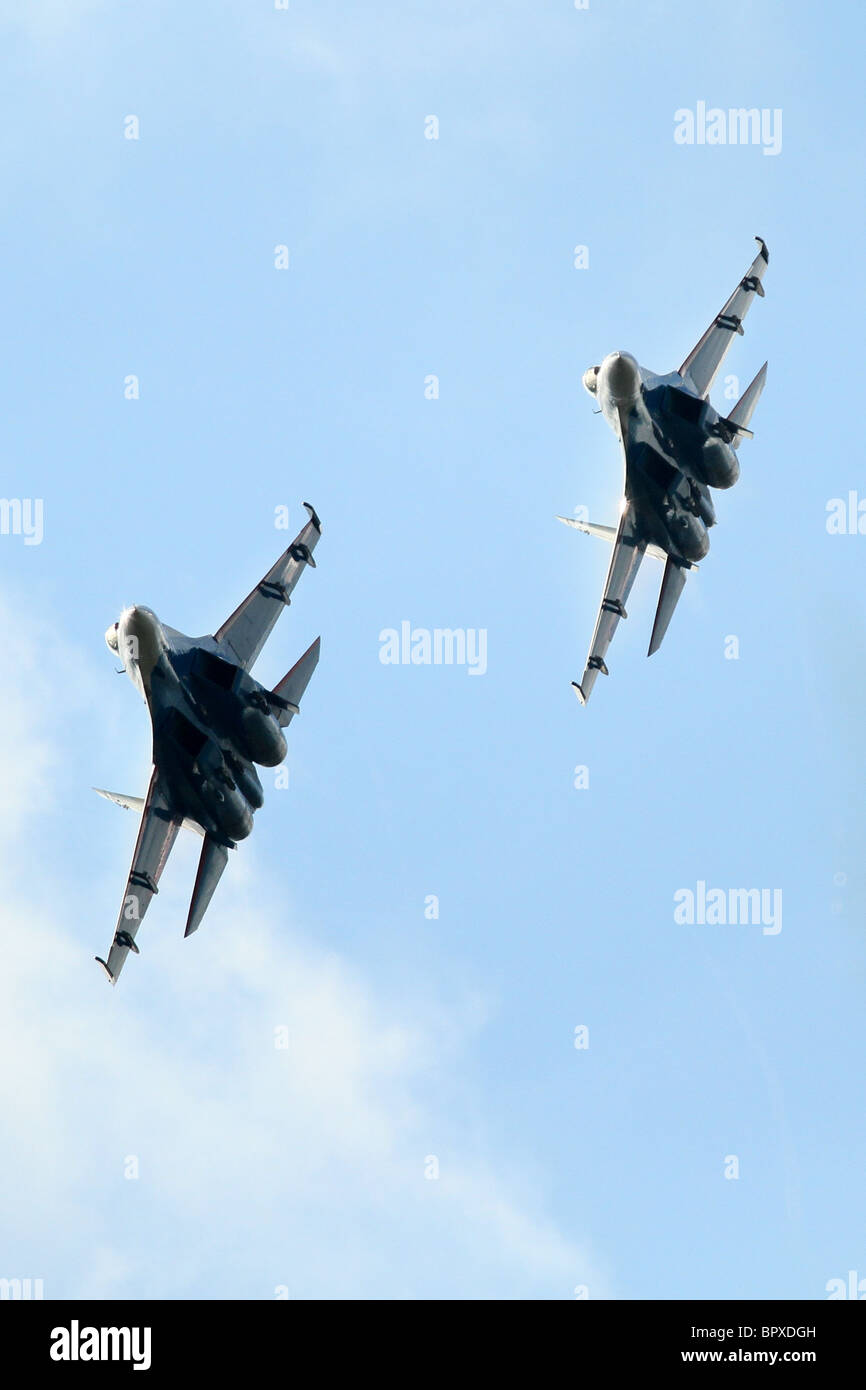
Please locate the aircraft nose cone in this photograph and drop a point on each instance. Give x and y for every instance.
(622, 377)
(140, 638)
(141, 621)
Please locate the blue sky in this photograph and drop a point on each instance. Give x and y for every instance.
(304, 1168)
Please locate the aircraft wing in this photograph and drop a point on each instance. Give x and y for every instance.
(156, 835)
(628, 551)
(250, 626)
(706, 357)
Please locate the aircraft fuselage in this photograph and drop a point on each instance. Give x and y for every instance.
(211, 722)
(675, 448)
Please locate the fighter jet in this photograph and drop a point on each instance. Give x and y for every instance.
(211, 724)
(675, 447)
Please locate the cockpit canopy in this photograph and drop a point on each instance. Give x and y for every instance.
(590, 380)
(111, 636)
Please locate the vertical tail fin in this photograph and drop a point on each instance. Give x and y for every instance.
(673, 583)
(745, 407)
(214, 858)
(295, 682)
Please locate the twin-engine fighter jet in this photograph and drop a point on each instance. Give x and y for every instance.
(675, 448)
(211, 723)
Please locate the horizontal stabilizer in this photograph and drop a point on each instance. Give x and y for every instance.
(745, 407)
(604, 533)
(673, 582)
(607, 533)
(214, 858)
(293, 685)
(136, 803)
